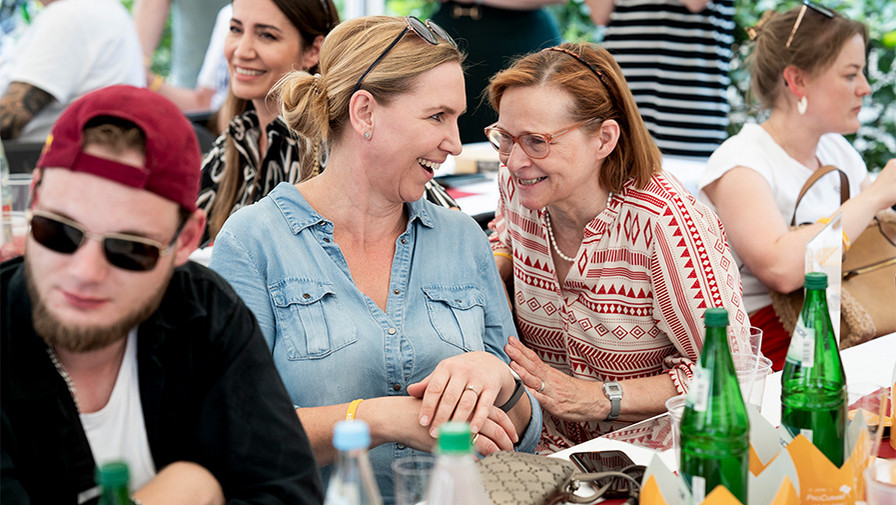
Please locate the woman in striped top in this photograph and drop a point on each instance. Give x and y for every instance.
(675, 55)
(613, 263)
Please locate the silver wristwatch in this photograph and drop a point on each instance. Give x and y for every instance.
(614, 393)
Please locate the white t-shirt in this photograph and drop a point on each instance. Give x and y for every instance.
(214, 73)
(117, 432)
(76, 46)
(754, 148)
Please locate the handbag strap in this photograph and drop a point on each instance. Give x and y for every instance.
(567, 491)
(818, 174)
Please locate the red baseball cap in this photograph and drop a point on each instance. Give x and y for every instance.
(172, 167)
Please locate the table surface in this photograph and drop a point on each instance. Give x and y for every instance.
(871, 362)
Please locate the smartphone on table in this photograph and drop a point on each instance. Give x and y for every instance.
(606, 461)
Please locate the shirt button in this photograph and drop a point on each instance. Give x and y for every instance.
(396, 387)
(403, 240)
(396, 291)
(392, 331)
(306, 296)
(401, 446)
(326, 240)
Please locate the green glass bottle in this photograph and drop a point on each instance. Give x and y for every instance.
(715, 426)
(813, 383)
(113, 480)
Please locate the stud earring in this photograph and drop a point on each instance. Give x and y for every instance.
(366, 135)
(802, 105)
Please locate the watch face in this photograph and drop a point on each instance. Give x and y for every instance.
(613, 389)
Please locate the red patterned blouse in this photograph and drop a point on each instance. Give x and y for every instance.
(632, 304)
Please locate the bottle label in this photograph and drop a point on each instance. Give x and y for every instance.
(802, 346)
(698, 489)
(806, 432)
(698, 394)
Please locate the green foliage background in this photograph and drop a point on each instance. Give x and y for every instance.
(876, 139)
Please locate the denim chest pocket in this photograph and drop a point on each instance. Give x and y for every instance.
(310, 319)
(457, 313)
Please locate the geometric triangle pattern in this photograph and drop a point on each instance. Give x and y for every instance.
(632, 303)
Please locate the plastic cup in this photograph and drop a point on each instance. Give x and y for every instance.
(752, 372)
(880, 483)
(675, 407)
(745, 340)
(867, 408)
(412, 477)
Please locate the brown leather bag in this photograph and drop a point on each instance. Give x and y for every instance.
(868, 289)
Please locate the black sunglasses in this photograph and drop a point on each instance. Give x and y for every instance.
(428, 31)
(824, 11)
(128, 252)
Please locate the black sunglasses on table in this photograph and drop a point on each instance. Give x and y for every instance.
(128, 252)
(428, 31)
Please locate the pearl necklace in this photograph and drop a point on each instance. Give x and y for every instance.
(547, 221)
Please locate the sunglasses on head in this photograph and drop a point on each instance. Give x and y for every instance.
(535, 145)
(428, 31)
(824, 11)
(128, 252)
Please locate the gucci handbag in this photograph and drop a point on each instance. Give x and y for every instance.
(868, 284)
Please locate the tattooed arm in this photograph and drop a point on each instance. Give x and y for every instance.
(18, 106)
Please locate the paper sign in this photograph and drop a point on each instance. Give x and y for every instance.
(824, 253)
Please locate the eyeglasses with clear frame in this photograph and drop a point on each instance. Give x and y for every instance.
(125, 251)
(428, 31)
(535, 145)
(824, 11)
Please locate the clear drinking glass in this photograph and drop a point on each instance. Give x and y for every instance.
(411, 478)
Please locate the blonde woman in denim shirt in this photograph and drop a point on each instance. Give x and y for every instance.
(363, 289)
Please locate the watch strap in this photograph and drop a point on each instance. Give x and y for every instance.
(515, 397)
(614, 393)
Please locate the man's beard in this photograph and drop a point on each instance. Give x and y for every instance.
(85, 338)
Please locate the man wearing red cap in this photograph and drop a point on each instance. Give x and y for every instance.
(116, 347)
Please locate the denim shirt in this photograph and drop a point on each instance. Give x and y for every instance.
(332, 343)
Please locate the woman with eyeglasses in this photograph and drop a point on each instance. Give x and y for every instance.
(807, 72)
(613, 263)
(377, 304)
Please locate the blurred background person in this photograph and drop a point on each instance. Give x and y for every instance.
(613, 263)
(492, 33)
(676, 55)
(807, 71)
(71, 47)
(364, 288)
(191, 27)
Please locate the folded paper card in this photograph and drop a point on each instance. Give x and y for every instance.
(783, 471)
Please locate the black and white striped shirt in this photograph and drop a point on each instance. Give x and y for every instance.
(676, 64)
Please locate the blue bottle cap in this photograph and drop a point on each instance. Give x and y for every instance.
(350, 435)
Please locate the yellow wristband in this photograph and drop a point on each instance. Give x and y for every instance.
(824, 220)
(352, 407)
(156, 83)
(504, 254)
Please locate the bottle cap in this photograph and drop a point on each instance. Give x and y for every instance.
(350, 435)
(716, 318)
(816, 280)
(455, 437)
(112, 474)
